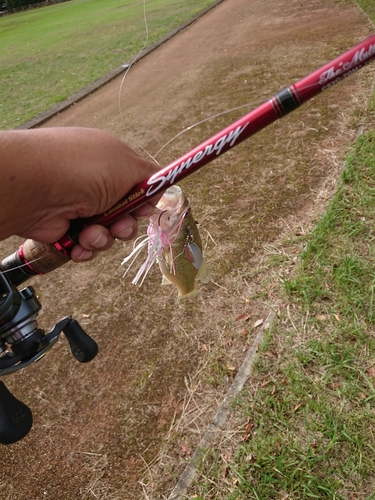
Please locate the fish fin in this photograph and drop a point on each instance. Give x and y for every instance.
(164, 268)
(165, 281)
(203, 273)
(190, 295)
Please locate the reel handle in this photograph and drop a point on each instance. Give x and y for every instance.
(83, 347)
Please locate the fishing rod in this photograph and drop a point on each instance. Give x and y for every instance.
(21, 341)
(34, 258)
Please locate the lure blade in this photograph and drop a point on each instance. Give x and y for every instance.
(194, 254)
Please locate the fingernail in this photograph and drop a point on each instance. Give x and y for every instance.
(142, 218)
(100, 242)
(85, 255)
(145, 211)
(125, 234)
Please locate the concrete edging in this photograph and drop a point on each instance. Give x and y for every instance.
(188, 475)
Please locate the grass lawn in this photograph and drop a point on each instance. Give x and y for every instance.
(50, 53)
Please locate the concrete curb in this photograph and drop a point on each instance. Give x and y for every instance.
(187, 477)
(81, 94)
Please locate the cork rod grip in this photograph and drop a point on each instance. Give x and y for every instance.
(33, 258)
(43, 257)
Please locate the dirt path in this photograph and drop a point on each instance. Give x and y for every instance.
(162, 369)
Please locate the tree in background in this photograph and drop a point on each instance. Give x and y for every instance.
(13, 5)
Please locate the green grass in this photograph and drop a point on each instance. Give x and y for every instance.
(48, 54)
(339, 260)
(368, 6)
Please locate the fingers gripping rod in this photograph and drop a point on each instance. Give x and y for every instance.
(33, 258)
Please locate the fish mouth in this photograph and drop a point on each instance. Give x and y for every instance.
(172, 199)
(171, 208)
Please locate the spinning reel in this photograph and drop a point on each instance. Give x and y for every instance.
(21, 343)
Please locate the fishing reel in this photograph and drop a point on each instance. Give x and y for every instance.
(21, 343)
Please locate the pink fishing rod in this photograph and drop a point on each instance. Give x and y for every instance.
(34, 258)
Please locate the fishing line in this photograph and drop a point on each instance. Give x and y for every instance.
(200, 122)
(134, 60)
(190, 127)
(213, 117)
(26, 264)
(126, 74)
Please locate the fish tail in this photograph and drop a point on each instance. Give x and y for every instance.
(190, 295)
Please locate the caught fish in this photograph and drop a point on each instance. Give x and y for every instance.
(174, 242)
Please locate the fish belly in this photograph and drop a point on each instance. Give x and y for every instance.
(183, 277)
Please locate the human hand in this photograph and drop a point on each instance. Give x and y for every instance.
(54, 175)
(97, 238)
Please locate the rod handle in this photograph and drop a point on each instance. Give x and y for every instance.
(33, 258)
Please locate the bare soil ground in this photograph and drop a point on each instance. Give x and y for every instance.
(123, 426)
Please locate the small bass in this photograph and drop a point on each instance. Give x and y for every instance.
(175, 244)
